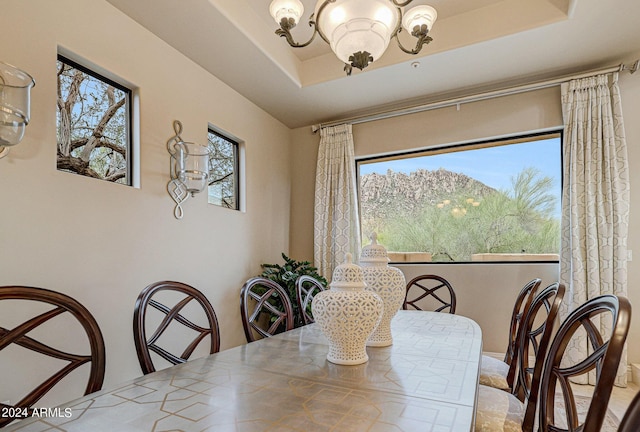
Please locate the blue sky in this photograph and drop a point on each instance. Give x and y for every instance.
(493, 166)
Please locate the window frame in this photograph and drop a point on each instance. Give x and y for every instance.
(128, 111)
(236, 165)
(467, 145)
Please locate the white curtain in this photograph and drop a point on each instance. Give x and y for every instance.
(595, 201)
(336, 224)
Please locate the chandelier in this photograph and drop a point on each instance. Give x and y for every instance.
(358, 31)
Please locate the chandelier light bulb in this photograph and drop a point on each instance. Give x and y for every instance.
(337, 15)
(385, 15)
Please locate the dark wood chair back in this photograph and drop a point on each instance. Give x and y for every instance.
(523, 303)
(147, 341)
(533, 341)
(631, 420)
(265, 309)
(307, 287)
(434, 286)
(604, 359)
(19, 336)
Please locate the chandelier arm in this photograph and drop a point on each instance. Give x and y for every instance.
(398, 27)
(423, 39)
(401, 4)
(285, 33)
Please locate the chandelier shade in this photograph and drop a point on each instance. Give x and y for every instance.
(289, 10)
(357, 27)
(358, 31)
(419, 16)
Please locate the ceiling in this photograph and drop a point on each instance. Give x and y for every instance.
(478, 45)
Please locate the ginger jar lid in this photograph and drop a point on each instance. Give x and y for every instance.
(348, 275)
(374, 252)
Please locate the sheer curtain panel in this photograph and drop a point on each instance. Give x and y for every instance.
(336, 224)
(595, 201)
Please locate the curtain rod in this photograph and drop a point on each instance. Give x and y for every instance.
(476, 97)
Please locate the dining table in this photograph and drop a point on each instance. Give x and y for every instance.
(427, 380)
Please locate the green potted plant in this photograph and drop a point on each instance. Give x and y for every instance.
(286, 276)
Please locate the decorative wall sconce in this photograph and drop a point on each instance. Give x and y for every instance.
(189, 169)
(15, 94)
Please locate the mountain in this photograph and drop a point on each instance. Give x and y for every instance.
(381, 194)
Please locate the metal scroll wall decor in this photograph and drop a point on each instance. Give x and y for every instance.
(189, 169)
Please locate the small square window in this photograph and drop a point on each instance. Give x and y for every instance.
(93, 124)
(223, 170)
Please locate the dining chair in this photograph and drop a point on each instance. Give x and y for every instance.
(631, 420)
(536, 327)
(515, 409)
(306, 288)
(501, 374)
(434, 289)
(147, 342)
(18, 335)
(550, 384)
(604, 359)
(535, 334)
(265, 309)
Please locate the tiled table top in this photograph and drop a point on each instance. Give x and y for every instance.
(426, 381)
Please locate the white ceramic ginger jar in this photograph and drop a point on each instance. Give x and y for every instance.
(347, 314)
(388, 282)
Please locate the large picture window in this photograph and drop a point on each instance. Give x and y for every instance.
(93, 121)
(489, 201)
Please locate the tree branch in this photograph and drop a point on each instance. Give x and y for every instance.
(101, 143)
(65, 108)
(99, 129)
(121, 173)
(76, 165)
(220, 179)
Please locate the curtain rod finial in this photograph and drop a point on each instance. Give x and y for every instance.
(632, 69)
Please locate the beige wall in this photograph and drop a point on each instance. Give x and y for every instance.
(102, 243)
(486, 291)
(517, 114)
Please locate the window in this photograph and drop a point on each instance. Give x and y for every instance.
(223, 170)
(489, 201)
(93, 120)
